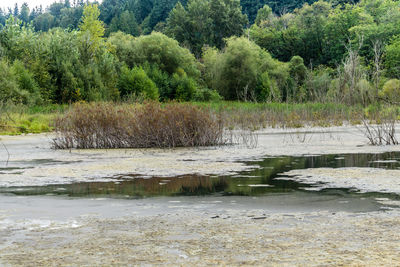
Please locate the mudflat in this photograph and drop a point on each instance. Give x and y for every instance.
(287, 229)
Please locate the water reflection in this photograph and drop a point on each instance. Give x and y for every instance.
(252, 183)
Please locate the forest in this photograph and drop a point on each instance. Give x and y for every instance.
(201, 50)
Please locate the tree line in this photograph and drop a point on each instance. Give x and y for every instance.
(201, 50)
(130, 16)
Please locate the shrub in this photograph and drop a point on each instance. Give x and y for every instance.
(103, 125)
(161, 79)
(267, 89)
(391, 91)
(154, 49)
(26, 82)
(317, 83)
(380, 126)
(136, 81)
(178, 86)
(207, 95)
(10, 90)
(182, 87)
(236, 71)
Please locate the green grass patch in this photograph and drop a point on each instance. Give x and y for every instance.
(21, 119)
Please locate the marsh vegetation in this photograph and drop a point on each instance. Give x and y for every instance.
(103, 125)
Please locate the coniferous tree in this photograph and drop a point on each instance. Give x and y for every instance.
(16, 10)
(24, 14)
(2, 17)
(125, 22)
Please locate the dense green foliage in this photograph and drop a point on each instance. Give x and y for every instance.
(205, 22)
(201, 50)
(136, 82)
(144, 15)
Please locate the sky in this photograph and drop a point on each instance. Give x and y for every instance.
(4, 4)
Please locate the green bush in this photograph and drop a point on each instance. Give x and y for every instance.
(267, 90)
(161, 79)
(135, 81)
(155, 49)
(391, 91)
(26, 82)
(244, 71)
(392, 58)
(317, 83)
(10, 90)
(183, 88)
(207, 95)
(177, 86)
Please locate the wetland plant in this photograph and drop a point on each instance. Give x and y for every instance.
(105, 125)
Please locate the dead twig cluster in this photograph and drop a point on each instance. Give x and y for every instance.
(382, 132)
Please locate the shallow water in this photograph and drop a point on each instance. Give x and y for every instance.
(72, 208)
(261, 181)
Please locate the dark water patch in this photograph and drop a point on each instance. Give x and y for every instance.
(258, 182)
(131, 188)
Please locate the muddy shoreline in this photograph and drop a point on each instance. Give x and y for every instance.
(232, 237)
(292, 229)
(32, 161)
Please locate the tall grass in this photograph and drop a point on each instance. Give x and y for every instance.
(105, 125)
(285, 115)
(18, 118)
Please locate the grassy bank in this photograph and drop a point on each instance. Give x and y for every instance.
(20, 119)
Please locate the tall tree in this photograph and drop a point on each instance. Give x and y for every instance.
(250, 8)
(228, 19)
(110, 9)
(125, 22)
(205, 22)
(44, 22)
(70, 17)
(142, 9)
(2, 17)
(160, 11)
(91, 28)
(191, 27)
(16, 10)
(24, 14)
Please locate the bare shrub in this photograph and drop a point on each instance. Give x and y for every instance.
(380, 128)
(242, 136)
(103, 125)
